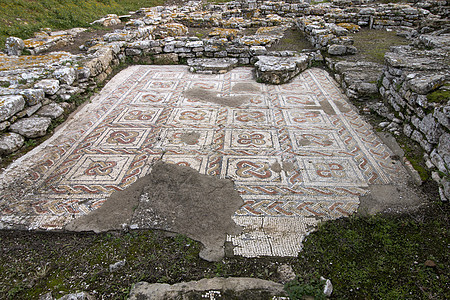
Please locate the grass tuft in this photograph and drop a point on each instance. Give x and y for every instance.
(21, 18)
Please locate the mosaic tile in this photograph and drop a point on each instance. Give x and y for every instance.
(298, 153)
(251, 139)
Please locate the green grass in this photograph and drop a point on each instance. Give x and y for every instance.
(375, 257)
(383, 256)
(21, 18)
(373, 44)
(439, 96)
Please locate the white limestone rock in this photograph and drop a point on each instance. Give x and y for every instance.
(337, 50)
(278, 70)
(31, 127)
(65, 75)
(14, 46)
(211, 65)
(10, 142)
(52, 110)
(109, 20)
(328, 288)
(10, 105)
(33, 96)
(49, 86)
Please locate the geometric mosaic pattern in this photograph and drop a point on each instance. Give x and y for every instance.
(298, 153)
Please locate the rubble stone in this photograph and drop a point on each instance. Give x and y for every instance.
(10, 105)
(10, 142)
(31, 127)
(49, 86)
(14, 46)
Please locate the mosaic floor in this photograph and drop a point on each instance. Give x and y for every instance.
(298, 153)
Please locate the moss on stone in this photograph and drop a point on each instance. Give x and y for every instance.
(439, 96)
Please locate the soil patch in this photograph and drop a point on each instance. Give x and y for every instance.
(293, 40)
(373, 44)
(83, 37)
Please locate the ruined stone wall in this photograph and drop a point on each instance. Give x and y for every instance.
(415, 83)
(378, 16)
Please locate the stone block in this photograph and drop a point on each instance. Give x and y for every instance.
(133, 52)
(430, 128)
(258, 50)
(31, 127)
(65, 75)
(14, 46)
(442, 115)
(278, 70)
(52, 110)
(443, 149)
(211, 65)
(425, 84)
(10, 142)
(83, 74)
(32, 96)
(166, 59)
(439, 162)
(49, 86)
(10, 105)
(407, 130)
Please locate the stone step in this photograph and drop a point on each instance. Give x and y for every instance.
(211, 65)
(279, 70)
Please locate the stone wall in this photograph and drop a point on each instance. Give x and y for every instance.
(378, 16)
(416, 84)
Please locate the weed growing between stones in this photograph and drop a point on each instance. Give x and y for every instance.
(439, 96)
(309, 285)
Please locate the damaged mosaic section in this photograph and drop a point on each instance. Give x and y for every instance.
(295, 154)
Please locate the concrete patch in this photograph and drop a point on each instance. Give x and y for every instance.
(114, 214)
(210, 96)
(190, 138)
(246, 87)
(179, 199)
(389, 198)
(172, 198)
